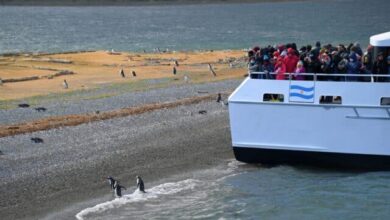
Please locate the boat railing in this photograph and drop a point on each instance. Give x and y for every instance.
(325, 76)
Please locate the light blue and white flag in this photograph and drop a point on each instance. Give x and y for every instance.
(302, 91)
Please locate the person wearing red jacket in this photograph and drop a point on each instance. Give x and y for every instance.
(291, 60)
(280, 69)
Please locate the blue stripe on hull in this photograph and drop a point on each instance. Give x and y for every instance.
(318, 159)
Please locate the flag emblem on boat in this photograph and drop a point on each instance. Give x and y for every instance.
(302, 92)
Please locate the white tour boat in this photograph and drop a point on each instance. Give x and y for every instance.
(322, 123)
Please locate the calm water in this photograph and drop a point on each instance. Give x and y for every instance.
(239, 191)
(53, 29)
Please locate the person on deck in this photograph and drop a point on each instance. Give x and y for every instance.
(291, 60)
(268, 67)
(353, 67)
(298, 70)
(379, 67)
(280, 69)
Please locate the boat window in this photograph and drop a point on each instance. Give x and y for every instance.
(328, 99)
(385, 101)
(271, 97)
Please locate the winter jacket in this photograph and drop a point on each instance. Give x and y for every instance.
(297, 73)
(280, 70)
(291, 61)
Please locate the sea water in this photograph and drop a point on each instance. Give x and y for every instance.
(233, 190)
(240, 191)
(190, 27)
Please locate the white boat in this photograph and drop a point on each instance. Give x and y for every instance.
(336, 124)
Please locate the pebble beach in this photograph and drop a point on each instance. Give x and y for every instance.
(72, 161)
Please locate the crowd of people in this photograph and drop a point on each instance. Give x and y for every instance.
(276, 61)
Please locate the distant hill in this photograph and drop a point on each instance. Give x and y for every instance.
(118, 2)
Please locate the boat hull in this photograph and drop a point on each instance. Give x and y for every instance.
(312, 158)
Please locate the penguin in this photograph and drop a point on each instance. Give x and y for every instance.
(202, 112)
(174, 71)
(118, 189)
(219, 98)
(122, 73)
(65, 84)
(134, 74)
(176, 63)
(140, 184)
(111, 181)
(24, 105)
(36, 140)
(41, 109)
(212, 71)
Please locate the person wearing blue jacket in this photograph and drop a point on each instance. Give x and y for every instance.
(353, 67)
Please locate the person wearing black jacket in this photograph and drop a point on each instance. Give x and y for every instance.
(379, 68)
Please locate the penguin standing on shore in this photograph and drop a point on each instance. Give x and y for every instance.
(134, 74)
(219, 98)
(174, 70)
(65, 84)
(140, 184)
(111, 181)
(122, 72)
(176, 63)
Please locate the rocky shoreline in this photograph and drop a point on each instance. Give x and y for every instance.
(46, 177)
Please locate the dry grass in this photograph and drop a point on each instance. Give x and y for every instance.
(73, 120)
(94, 69)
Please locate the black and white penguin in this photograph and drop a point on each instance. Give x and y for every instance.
(176, 63)
(122, 72)
(219, 98)
(65, 84)
(134, 74)
(41, 109)
(174, 71)
(24, 105)
(37, 140)
(118, 189)
(111, 181)
(140, 184)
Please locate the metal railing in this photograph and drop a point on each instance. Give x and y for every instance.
(326, 76)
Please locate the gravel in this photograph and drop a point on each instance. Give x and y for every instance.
(83, 103)
(72, 161)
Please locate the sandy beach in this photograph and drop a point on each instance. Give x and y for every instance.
(70, 165)
(43, 74)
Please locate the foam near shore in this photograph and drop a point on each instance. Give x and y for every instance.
(137, 196)
(122, 147)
